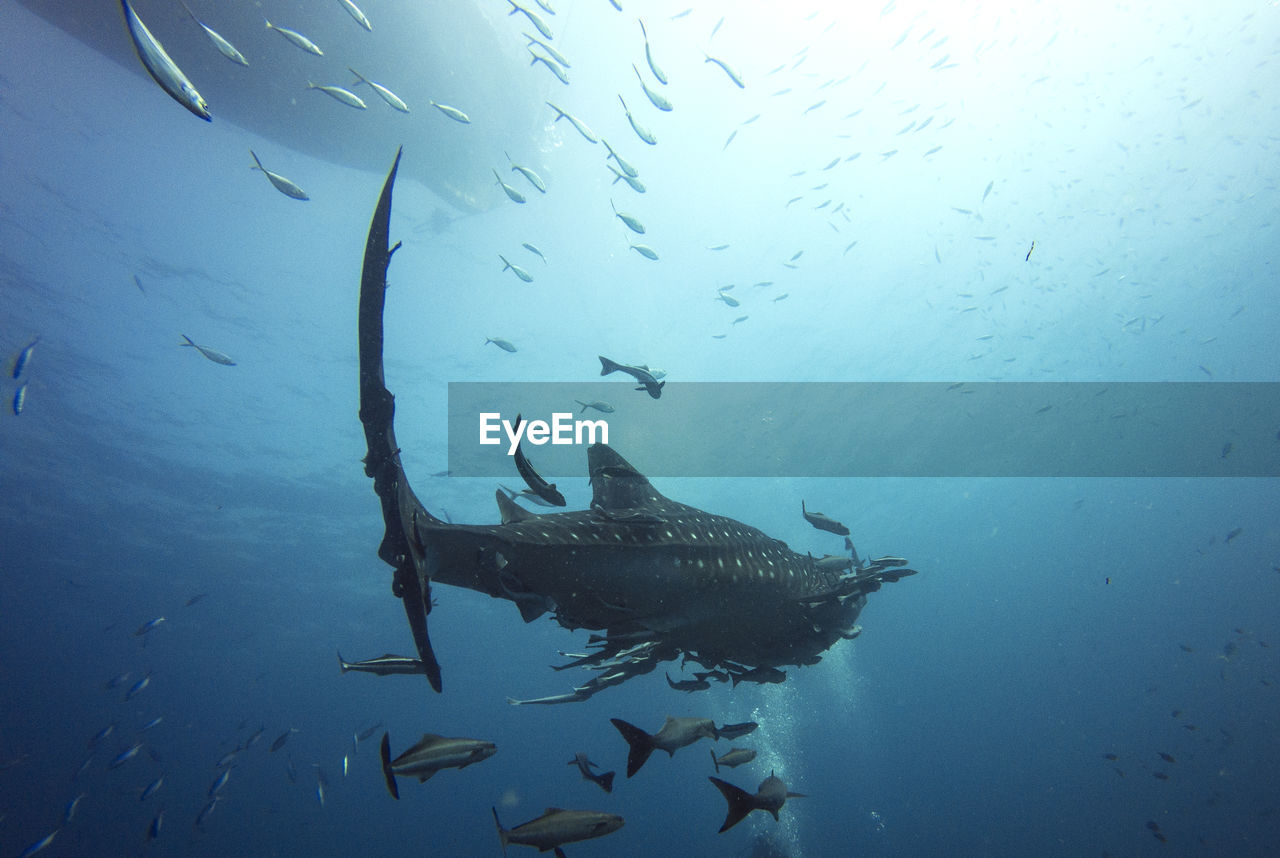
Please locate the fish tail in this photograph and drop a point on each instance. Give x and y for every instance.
(342, 663)
(502, 832)
(740, 803)
(713, 754)
(584, 408)
(641, 742)
(505, 266)
(607, 366)
(188, 341)
(385, 752)
(606, 781)
(258, 165)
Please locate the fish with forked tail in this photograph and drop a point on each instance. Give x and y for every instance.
(770, 798)
(675, 734)
(604, 781)
(639, 373)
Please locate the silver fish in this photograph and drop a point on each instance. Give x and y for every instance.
(281, 184)
(224, 47)
(630, 220)
(555, 69)
(622, 164)
(733, 75)
(575, 122)
(387, 95)
(555, 55)
(634, 182)
(500, 343)
(533, 17)
(648, 55)
(643, 133)
(534, 178)
(162, 69)
(297, 39)
(646, 251)
(355, 12)
(512, 194)
(339, 94)
(452, 112)
(657, 99)
(516, 269)
(212, 354)
(20, 398)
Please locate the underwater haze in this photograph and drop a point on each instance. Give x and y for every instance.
(898, 191)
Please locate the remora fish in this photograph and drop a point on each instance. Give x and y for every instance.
(212, 354)
(387, 95)
(224, 47)
(162, 69)
(770, 797)
(383, 665)
(733, 759)
(735, 731)
(431, 754)
(279, 182)
(699, 684)
(296, 38)
(823, 522)
(575, 122)
(640, 374)
(557, 827)
(539, 486)
(681, 580)
(604, 781)
(676, 733)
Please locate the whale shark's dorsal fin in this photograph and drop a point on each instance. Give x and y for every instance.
(510, 510)
(616, 484)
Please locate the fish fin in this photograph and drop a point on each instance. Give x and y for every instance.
(342, 663)
(640, 742)
(385, 752)
(188, 341)
(512, 511)
(502, 832)
(606, 781)
(255, 156)
(607, 366)
(559, 853)
(739, 801)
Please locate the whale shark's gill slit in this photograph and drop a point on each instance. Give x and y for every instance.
(655, 580)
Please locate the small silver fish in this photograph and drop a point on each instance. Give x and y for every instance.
(512, 194)
(516, 269)
(641, 132)
(20, 398)
(630, 220)
(452, 112)
(337, 93)
(500, 343)
(297, 39)
(733, 75)
(355, 12)
(162, 69)
(648, 55)
(555, 55)
(529, 247)
(534, 178)
(622, 163)
(560, 73)
(280, 183)
(387, 95)
(575, 122)
(212, 354)
(224, 47)
(646, 251)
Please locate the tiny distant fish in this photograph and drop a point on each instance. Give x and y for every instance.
(729, 140)
(500, 343)
(719, 247)
(529, 247)
(137, 687)
(20, 399)
(1234, 533)
(1027, 258)
(646, 251)
(212, 354)
(22, 358)
(597, 404)
(297, 39)
(279, 741)
(151, 788)
(534, 178)
(154, 722)
(740, 319)
(1166, 757)
(153, 830)
(125, 756)
(648, 56)
(39, 845)
(935, 150)
(148, 626)
(733, 75)
(196, 598)
(1226, 449)
(851, 245)
(554, 68)
(550, 49)
(781, 297)
(516, 269)
(1160, 776)
(71, 809)
(203, 816)
(224, 47)
(219, 783)
(718, 336)
(1110, 757)
(732, 302)
(452, 112)
(991, 184)
(512, 194)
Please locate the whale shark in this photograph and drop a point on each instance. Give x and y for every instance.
(653, 578)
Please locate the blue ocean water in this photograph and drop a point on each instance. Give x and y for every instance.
(1053, 622)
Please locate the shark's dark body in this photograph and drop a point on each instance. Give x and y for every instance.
(656, 577)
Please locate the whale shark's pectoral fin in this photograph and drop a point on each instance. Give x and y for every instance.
(401, 509)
